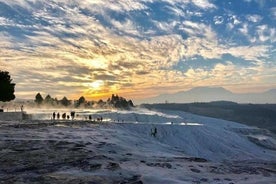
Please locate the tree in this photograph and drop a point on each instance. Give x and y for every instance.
(56, 102)
(38, 99)
(80, 101)
(100, 103)
(130, 103)
(65, 101)
(49, 100)
(6, 87)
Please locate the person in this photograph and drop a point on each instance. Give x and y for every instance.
(154, 132)
(58, 115)
(54, 115)
(90, 117)
(68, 117)
(64, 116)
(22, 108)
(72, 114)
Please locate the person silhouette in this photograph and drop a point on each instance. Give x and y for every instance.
(154, 132)
(72, 114)
(54, 115)
(64, 116)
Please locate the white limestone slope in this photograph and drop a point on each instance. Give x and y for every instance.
(194, 149)
(198, 136)
(194, 135)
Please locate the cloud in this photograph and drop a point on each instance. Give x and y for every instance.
(265, 33)
(209, 47)
(198, 29)
(67, 45)
(218, 19)
(273, 12)
(244, 29)
(100, 51)
(228, 74)
(235, 20)
(204, 4)
(126, 27)
(253, 53)
(254, 18)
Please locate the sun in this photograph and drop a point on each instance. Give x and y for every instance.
(97, 84)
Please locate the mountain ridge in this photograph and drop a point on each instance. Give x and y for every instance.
(209, 94)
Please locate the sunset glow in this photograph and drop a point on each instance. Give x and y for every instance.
(137, 48)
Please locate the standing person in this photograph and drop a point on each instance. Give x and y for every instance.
(72, 114)
(54, 115)
(58, 115)
(64, 116)
(22, 107)
(154, 132)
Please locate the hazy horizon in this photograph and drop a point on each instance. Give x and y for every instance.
(160, 97)
(139, 48)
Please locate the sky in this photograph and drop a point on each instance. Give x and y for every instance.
(137, 48)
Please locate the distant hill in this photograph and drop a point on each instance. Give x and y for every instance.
(208, 94)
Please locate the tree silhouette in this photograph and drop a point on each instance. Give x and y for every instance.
(119, 102)
(49, 100)
(65, 102)
(38, 99)
(6, 87)
(80, 101)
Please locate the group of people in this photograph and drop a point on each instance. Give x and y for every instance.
(91, 119)
(64, 116)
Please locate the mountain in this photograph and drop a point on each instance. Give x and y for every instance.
(208, 94)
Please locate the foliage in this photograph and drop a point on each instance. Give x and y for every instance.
(49, 100)
(38, 99)
(80, 102)
(120, 102)
(65, 102)
(115, 102)
(6, 87)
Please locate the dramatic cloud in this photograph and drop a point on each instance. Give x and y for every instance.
(133, 47)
